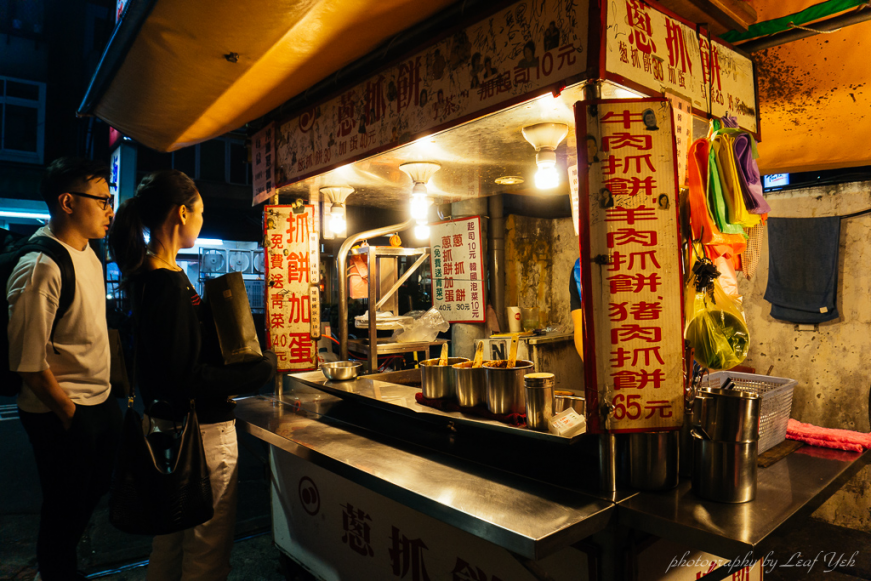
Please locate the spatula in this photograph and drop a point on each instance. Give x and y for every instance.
(443, 360)
(512, 352)
(479, 355)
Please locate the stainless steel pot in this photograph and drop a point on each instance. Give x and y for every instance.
(727, 415)
(724, 471)
(505, 393)
(471, 384)
(651, 460)
(563, 400)
(439, 381)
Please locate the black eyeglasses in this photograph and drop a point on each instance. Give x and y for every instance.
(107, 202)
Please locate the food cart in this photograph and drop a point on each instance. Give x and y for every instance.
(368, 483)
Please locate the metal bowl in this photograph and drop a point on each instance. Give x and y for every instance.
(341, 370)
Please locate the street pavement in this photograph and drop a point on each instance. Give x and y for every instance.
(103, 548)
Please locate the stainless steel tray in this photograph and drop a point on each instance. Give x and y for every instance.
(395, 392)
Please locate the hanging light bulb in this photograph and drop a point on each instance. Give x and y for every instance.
(545, 137)
(337, 195)
(338, 223)
(421, 232)
(420, 172)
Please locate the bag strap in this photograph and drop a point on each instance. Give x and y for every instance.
(61, 256)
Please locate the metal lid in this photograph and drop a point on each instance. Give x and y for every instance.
(539, 379)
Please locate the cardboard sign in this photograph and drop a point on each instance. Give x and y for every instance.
(504, 58)
(292, 309)
(458, 270)
(631, 275)
(263, 163)
(651, 49)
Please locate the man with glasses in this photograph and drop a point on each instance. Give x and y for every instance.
(65, 406)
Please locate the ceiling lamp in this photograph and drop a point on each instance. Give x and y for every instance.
(545, 137)
(420, 173)
(337, 196)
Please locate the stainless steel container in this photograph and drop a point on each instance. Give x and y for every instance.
(725, 444)
(727, 415)
(563, 400)
(505, 386)
(650, 460)
(471, 384)
(538, 389)
(724, 471)
(439, 381)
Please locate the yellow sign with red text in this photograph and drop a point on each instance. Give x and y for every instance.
(291, 306)
(631, 276)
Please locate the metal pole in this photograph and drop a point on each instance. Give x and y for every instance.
(342, 264)
(607, 462)
(278, 389)
(373, 310)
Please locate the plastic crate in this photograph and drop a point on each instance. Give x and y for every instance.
(776, 394)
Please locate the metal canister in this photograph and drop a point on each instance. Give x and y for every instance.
(471, 384)
(539, 399)
(725, 444)
(439, 381)
(505, 393)
(651, 460)
(563, 400)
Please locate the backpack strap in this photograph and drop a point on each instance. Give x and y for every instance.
(61, 256)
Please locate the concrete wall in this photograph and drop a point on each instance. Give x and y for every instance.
(539, 256)
(831, 362)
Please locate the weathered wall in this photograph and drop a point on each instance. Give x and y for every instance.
(539, 256)
(831, 362)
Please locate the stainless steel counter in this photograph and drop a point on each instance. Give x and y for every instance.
(789, 489)
(527, 495)
(523, 515)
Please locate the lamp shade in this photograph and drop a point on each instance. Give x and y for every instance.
(545, 135)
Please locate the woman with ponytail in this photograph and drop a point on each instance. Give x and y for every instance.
(173, 366)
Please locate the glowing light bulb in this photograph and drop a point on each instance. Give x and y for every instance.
(338, 224)
(421, 232)
(419, 206)
(546, 178)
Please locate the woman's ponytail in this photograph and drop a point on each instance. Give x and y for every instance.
(127, 238)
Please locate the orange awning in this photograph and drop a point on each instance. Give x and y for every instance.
(174, 86)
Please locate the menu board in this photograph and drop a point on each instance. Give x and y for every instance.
(631, 270)
(292, 296)
(458, 270)
(262, 163)
(650, 48)
(507, 57)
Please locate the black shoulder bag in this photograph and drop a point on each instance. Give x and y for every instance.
(161, 482)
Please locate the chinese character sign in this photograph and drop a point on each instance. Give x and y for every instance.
(633, 253)
(514, 52)
(457, 263)
(290, 308)
(651, 49)
(263, 163)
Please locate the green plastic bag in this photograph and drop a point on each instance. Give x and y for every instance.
(715, 328)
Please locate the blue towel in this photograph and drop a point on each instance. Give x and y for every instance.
(803, 269)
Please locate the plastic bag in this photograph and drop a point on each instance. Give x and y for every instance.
(715, 328)
(426, 328)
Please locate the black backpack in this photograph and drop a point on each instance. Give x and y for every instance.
(12, 248)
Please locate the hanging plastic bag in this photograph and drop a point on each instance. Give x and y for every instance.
(425, 328)
(716, 328)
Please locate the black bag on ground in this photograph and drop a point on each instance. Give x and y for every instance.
(237, 336)
(12, 248)
(161, 482)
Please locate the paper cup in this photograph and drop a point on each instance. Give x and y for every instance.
(514, 319)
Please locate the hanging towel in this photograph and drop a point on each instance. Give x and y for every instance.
(803, 269)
